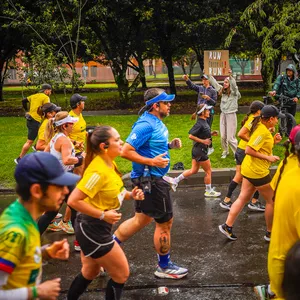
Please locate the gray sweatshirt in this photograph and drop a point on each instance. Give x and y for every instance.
(229, 104)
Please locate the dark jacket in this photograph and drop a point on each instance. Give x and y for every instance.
(288, 87)
(202, 90)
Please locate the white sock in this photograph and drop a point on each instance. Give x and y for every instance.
(208, 187)
(179, 178)
(269, 290)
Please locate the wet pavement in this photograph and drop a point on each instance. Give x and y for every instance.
(218, 268)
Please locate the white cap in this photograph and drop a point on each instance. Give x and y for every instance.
(203, 108)
(68, 119)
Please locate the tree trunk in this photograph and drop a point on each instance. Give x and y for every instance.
(1, 80)
(141, 71)
(267, 70)
(200, 59)
(169, 64)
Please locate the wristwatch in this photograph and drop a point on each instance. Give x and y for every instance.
(102, 216)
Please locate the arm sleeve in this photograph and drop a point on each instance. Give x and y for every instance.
(214, 83)
(140, 134)
(11, 248)
(195, 129)
(233, 85)
(213, 97)
(24, 104)
(91, 183)
(256, 141)
(277, 84)
(193, 86)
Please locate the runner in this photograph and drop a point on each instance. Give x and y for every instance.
(201, 136)
(255, 109)
(41, 185)
(62, 148)
(229, 105)
(33, 120)
(255, 169)
(47, 111)
(98, 197)
(147, 147)
(285, 230)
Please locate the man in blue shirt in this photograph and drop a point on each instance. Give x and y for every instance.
(147, 147)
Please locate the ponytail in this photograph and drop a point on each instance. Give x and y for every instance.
(49, 130)
(246, 118)
(254, 124)
(89, 152)
(40, 111)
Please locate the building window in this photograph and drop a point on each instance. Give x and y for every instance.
(93, 71)
(12, 74)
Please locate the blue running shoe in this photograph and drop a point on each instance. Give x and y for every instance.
(172, 271)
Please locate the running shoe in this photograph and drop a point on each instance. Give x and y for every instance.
(262, 292)
(77, 246)
(17, 160)
(257, 206)
(210, 151)
(172, 271)
(267, 236)
(54, 226)
(58, 216)
(171, 181)
(212, 193)
(226, 205)
(67, 227)
(102, 273)
(33, 148)
(224, 154)
(227, 231)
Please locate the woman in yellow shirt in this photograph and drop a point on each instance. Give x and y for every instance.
(255, 169)
(240, 154)
(97, 198)
(46, 111)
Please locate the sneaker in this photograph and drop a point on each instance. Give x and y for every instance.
(212, 193)
(171, 181)
(210, 151)
(226, 205)
(58, 216)
(33, 148)
(257, 206)
(267, 236)
(77, 246)
(224, 154)
(262, 292)
(172, 271)
(54, 226)
(102, 273)
(17, 160)
(227, 231)
(67, 227)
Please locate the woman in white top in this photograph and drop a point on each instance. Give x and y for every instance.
(60, 146)
(229, 105)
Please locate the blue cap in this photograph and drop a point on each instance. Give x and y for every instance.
(43, 167)
(161, 97)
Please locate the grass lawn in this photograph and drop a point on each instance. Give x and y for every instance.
(14, 134)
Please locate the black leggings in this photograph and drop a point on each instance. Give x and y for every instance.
(48, 216)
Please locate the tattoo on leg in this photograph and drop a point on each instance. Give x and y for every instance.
(164, 242)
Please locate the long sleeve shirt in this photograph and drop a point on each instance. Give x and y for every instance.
(202, 90)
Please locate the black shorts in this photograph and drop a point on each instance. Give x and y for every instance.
(259, 181)
(239, 156)
(199, 153)
(93, 235)
(33, 128)
(158, 203)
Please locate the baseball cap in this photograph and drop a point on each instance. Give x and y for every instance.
(204, 76)
(205, 106)
(75, 99)
(269, 111)
(43, 167)
(293, 134)
(50, 107)
(161, 97)
(45, 86)
(65, 120)
(256, 105)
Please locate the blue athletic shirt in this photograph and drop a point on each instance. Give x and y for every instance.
(149, 137)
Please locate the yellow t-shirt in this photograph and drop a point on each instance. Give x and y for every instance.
(242, 144)
(41, 133)
(36, 101)
(78, 133)
(20, 247)
(262, 141)
(286, 225)
(102, 185)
